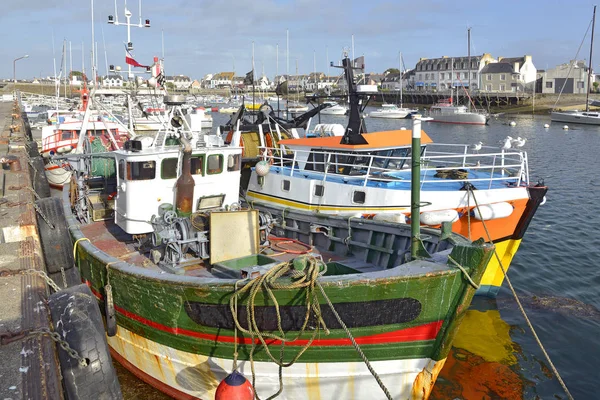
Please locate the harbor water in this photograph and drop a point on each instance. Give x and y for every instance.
(555, 273)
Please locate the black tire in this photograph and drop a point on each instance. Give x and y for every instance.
(56, 242)
(76, 317)
(38, 177)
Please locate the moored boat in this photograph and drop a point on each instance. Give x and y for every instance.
(200, 287)
(391, 111)
(448, 113)
(334, 109)
(485, 194)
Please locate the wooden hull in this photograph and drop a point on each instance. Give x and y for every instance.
(177, 331)
(185, 375)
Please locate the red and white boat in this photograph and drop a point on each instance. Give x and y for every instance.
(99, 135)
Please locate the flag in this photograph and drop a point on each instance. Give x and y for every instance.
(160, 79)
(359, 64)
(282, 88)
(249, 79)
(129, 59)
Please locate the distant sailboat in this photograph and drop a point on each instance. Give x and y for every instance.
(581, 117)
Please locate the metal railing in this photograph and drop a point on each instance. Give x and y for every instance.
(456, 163)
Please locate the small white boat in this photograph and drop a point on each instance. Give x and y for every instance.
(334, 109)
(446, 112)
(391, 111)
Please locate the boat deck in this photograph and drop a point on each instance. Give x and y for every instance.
(111, 239)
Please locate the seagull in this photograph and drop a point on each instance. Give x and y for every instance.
(476, 146)
(507, 143)
(519, 142)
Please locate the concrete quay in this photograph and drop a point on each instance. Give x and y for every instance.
(29, 367)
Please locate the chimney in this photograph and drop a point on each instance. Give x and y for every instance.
(527, 58)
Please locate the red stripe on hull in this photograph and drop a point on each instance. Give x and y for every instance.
(427, 331)
(163, 387)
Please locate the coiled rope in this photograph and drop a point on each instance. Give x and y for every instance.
(306, 280)
(512, 289)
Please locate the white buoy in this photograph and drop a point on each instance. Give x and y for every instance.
(566, 127)
(546, 126)
(513, 123)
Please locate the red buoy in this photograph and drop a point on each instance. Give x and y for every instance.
(234, 387)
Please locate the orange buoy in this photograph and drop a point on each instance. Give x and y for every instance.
(234, 387)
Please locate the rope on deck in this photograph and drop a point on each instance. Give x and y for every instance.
(306, 280)
(512, 289)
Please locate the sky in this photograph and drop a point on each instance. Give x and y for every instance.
(202, 37)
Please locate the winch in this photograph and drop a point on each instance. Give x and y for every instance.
(174, 237)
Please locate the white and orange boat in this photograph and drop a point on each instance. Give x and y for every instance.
(486, 194)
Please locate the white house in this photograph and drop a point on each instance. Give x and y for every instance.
(441, 74)
(222, 79)
(112, 81)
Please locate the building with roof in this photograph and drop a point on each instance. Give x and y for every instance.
(179, 81)
(514, 74)
(112, 81)
(570, 77)
(441, 74)
(222, 80)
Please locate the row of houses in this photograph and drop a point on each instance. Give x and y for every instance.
(482, 73)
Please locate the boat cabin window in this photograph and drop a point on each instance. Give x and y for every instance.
(316, 161)
(359, 197)
(214, 164)
(234, 162)
(121, 169)
(197, 165)
(141, 170)
(285, 185)
(168, 168)
(66, 135)
(319, 190)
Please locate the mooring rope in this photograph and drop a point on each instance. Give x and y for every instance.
(75, 247)
(306, 279)
(512, 289)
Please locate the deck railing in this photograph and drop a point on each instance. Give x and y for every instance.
(456, 163)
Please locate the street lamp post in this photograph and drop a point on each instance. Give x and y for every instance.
(15, 69)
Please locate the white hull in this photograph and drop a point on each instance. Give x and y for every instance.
(461, 118)
(334, 111)
(389, 115)
(199, 375)
(589, 118)
(335, 199)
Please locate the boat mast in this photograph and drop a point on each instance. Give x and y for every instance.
(415, 194)
(469, 61)
(452, 81)
(401, 73)
(587, 94)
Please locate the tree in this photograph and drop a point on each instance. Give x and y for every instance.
(392, 71)
(171, 86)
(596, 84)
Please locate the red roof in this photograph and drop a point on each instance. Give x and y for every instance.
(375, 140)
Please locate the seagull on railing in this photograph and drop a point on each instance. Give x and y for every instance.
(519, 142)
(507, 143)
(476, 147)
